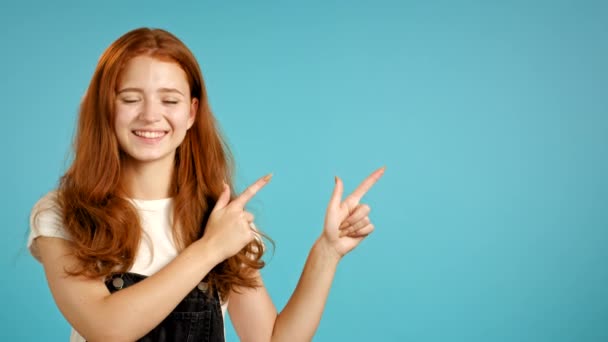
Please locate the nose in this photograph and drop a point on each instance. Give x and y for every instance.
(150, 112)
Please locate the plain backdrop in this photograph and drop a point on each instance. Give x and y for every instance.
(491, 117)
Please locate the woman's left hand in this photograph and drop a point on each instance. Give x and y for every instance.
(347, 222)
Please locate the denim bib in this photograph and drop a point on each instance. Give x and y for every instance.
(197, 318)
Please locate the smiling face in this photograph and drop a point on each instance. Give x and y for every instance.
(153, 110)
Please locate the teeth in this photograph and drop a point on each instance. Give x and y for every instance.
(148, 134)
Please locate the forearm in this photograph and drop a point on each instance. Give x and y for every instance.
(302, 314)
(134, 311)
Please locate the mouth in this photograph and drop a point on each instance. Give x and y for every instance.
(148, 134)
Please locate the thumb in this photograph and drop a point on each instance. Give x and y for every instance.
(336, 196)
(224, 198)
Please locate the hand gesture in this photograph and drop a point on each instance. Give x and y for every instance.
(230, 228)
(346, 222)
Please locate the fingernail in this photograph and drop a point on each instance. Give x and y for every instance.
(267, 177)
(336, 179)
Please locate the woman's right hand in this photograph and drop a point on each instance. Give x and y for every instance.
(228, 229)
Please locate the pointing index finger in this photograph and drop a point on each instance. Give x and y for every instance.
(248, 194)
(362, 189)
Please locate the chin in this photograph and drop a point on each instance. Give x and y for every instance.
(150, 158)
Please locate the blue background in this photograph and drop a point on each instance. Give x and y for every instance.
(491, 117)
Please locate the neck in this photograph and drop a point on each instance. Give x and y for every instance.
(148, 181)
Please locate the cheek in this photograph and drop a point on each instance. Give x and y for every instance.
(122, 118)
(180, 118)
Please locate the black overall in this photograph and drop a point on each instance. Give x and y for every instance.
(197, 318)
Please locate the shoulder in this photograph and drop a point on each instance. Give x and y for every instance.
(48, 201)
(46, 219)
(46, 211)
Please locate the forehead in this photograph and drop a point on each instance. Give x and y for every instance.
(148, 72)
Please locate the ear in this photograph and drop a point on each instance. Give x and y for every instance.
(193, 111)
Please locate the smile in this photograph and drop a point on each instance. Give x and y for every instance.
(150, 134)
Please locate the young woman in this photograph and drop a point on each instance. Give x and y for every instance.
(143, 239)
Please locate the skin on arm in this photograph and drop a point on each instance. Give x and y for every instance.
(252, 312)
(132, 312)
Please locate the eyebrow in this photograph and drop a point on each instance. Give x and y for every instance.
(160, 90)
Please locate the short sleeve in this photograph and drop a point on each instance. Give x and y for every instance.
(45, 220)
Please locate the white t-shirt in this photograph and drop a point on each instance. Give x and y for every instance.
(156, 222)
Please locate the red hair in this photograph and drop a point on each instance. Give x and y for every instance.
(103, 224)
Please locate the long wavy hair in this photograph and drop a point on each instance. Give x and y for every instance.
(102, 222)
